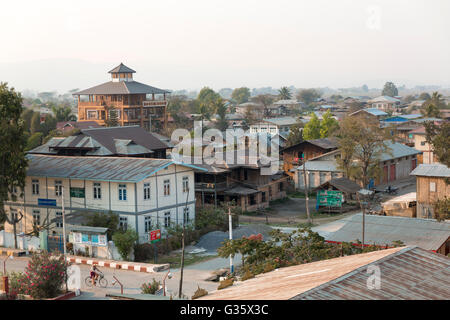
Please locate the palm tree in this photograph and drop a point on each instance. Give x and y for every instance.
(431, 111)
(436, 99)
(284, 93)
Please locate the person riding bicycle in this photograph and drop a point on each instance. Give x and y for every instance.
(94, 272)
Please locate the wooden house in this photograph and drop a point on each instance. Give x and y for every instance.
(431, 186)
(292, 156)
(135, 103)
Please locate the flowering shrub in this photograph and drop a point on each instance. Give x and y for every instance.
(151, 287)
(43, 278)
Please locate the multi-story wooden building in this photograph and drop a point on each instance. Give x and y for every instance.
(135, 103)
(292, 156)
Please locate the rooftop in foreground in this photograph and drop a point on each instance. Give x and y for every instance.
(406, 273)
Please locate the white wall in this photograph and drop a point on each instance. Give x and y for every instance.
(23, 242)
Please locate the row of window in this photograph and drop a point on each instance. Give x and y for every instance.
(123, 221)
(167, 220)
(97, 189)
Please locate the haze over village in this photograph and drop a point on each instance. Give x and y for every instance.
(225, 150)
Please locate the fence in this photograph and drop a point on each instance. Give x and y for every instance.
(23, 242)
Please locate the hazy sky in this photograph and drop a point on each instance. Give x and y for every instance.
(61, 45)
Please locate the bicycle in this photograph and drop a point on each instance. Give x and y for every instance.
(102, 282)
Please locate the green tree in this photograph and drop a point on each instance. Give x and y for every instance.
(389, 90)
(265, 100)
(108, 220)
(347, 146)
(439, 137)
(328, 125)
(241, 95)
(206, 102)
(27, 115)
(48, 125)
(221, 108)
(295, 134)
(442, 209)
(284, 93)
(35, 123)
(35, 140)
(370, 145)
(207, 96)
(311, 130)
(124, 241)
(437, 100)
(63, 113)
(430, 110)
(308, 95)
(13, 164)
(113, 117)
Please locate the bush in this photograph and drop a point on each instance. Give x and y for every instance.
(200, 292)
(247, 275)
(43, 278)
(151, 287)
(124, 241)
(225, 283)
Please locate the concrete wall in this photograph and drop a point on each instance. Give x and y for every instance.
(23, 242)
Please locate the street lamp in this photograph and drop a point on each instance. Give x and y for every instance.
(5, 277)
(168, 275)
(4, 264)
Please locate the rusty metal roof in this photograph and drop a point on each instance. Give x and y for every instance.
(406, 273)
(409, 274)
(114, 169)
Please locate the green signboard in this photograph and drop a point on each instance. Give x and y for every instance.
(329, 198)
(77, 192)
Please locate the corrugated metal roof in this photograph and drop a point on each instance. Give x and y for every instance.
(286, 283)
(128, 147)
(121, 87)
(384, 230)
(384, 99)
(431, 170)
(372, 111)
(121, 68)
(409, 274)
(283, 121)
(342, 184)
(398, 150)
(97, 168)
(406, 273)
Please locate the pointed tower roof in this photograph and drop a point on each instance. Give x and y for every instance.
(121, 68)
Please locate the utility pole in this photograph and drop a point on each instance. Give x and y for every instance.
(306, 189)
(63, 221)
(182, 247)
(64, 232)
(230, 226)
(363, 216)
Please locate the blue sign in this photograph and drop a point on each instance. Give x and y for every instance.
(47, 202)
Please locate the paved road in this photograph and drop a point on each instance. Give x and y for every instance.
(193, 275)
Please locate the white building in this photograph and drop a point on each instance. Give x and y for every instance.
(274, 126)
(146, 193)
(384, 103)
